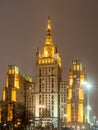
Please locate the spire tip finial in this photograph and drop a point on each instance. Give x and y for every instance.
(48, 36)
(49, 26)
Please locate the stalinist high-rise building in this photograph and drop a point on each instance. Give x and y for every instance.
(56, 101)
(48, 101)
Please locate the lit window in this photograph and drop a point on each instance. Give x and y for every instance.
(9, 71)
(16, 81)
(13, 95)
(16, 70)
(39, 61)
(7, 81)
(78, 67)
(83, 127)
(43, 61)
(74, 67)
(12, 71)
(4, 95)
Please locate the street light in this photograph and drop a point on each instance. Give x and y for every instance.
(85, 83)
(89, 108)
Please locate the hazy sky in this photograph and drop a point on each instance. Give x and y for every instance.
(74, 29)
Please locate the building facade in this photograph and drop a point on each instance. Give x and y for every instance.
(49, 101)
(29, 97)
(14, 88)
(48, 78)
(17, 99)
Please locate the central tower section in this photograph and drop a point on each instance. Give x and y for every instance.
(48, 77)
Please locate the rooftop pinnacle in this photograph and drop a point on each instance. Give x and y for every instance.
(49, 36)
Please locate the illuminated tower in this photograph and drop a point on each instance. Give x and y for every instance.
(77, 98)
(14, 91)
(48, 77)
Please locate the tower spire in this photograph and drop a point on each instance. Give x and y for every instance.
(49, 35)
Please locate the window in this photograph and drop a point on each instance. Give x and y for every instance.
(13, 95)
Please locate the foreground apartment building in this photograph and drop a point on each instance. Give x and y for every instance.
(48, 101)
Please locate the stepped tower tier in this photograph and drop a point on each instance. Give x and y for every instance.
(50, 53)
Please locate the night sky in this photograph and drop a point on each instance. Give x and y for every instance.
(74, 30)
